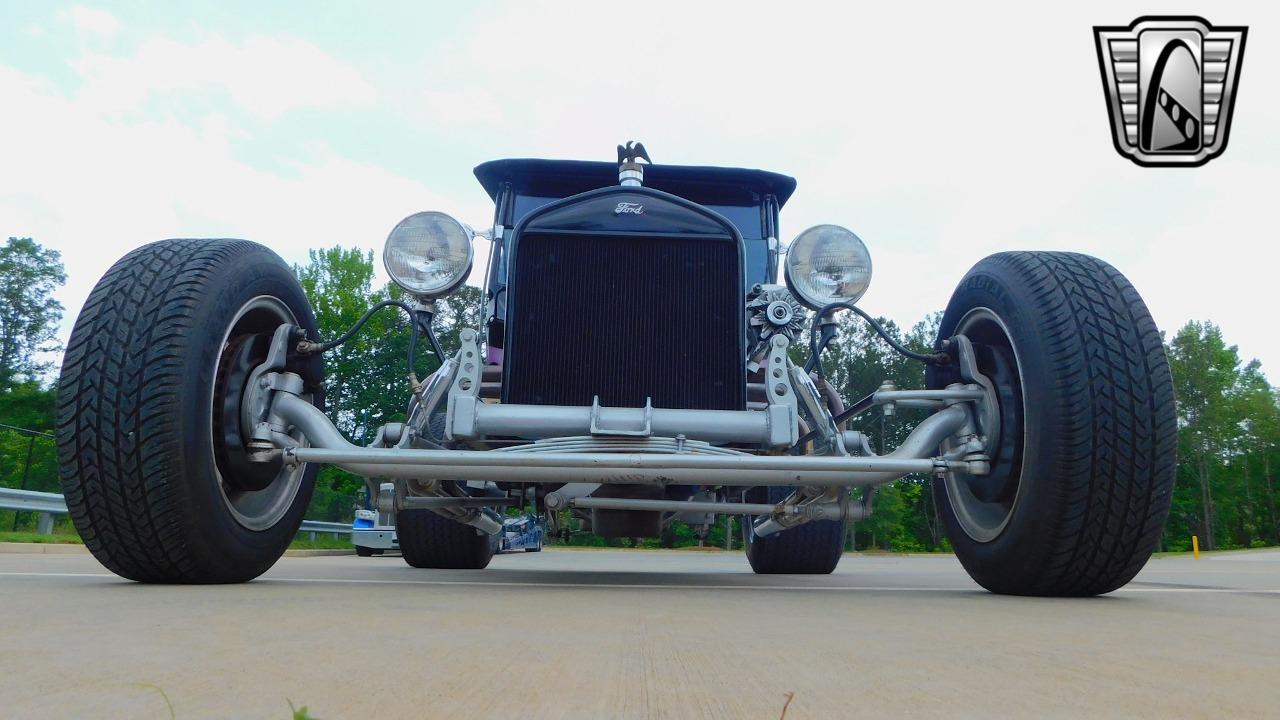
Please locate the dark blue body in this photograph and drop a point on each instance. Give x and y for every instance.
(749, 199)
(689, 213)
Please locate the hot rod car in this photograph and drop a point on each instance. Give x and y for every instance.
(636, 364)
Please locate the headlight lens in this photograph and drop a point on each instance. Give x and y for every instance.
(827, 264)
(429, 254)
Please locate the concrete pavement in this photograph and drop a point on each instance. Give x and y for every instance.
(618, 634)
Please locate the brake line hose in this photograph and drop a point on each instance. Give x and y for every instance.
(310, 348)
(816, 347)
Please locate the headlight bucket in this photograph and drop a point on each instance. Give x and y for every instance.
(429, 254)
(826, 264)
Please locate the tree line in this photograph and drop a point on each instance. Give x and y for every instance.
(1228, 429)
(29, 318)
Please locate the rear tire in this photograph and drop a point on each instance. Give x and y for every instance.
(813, 548)
(1083, 472)
(428, 540)
(155, 479)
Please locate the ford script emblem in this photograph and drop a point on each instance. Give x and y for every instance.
(629, 207)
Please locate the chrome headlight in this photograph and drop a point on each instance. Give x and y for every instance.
(429, 254)
(827, 264)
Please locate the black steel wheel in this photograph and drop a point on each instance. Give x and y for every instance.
(150, 444)
(1082, 471)
(984, 504)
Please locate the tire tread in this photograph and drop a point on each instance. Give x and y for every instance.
(429, 540)
(814, 548)
(117, 397)
(1114, 456)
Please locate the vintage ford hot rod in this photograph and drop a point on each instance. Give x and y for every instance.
(635, 367)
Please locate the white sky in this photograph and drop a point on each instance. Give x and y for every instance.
(939, 133)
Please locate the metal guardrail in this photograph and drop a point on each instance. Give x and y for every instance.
(47, 504)
(322, 526)
(50, 504)
(30, 501)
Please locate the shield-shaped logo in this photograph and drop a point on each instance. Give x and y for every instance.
(1170, 85)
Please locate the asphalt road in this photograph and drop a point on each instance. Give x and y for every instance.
(581, 634)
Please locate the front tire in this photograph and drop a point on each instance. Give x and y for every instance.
(1083, 470)
(155, 479)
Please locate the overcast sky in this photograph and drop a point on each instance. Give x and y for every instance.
(939, 134)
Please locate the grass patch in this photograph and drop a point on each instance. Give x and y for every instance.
(322, 542)
(1226, 551)
(31, 537)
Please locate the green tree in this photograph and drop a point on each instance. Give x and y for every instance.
(27, 405)
(366, 378)
(339, 283)
(1206, 378)
(27, 455)
(29, 315)
(856, 363)
(1254, 405)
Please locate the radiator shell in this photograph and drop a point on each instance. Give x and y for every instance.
(625, 306)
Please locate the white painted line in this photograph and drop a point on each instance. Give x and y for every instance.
(56, 574)
(659, 586)
(1223, 591)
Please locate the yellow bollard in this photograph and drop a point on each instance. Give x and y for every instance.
(1195, 546)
